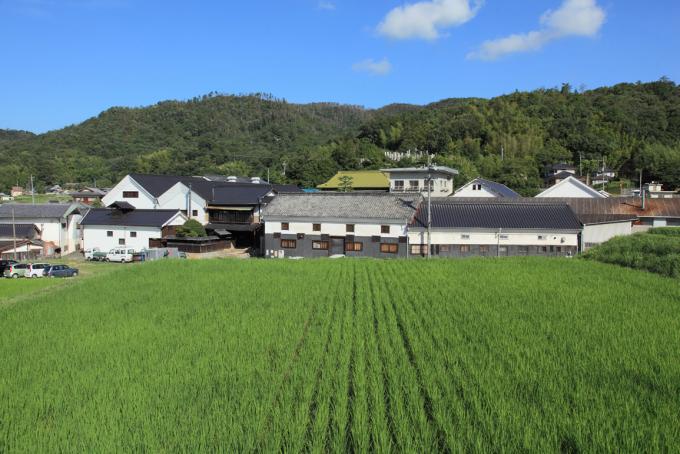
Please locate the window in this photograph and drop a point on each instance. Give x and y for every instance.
(559, 248)
(121, 241)
(413, 184)
(552, 248)
(418, 249)
(444, 248)
(541, 237)
(484, 249)
(398, 185)
(288, 244)
(465, 237)
(389, 248)
(316, 227)
(285, 226)
(194, 212)
(131, 251)
(353, 246)
(133, 234)
(349, 227)
(464, 248)
(109, 233)
(63, 225)
(384, 229)
(503, 249)
(476, 187)
(323, 245)
(524, 250)
(130, 194)
(544, 248)
(503, 237)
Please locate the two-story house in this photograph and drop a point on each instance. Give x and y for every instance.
(415, 179)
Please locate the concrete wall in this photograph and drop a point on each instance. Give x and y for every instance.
(599, 233)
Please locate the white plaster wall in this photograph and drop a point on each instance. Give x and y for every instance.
(467, 191)
(599, 233)
(94, 236)
(490, 238)
(567, 189)
(442, 186)
(336, 228)
(176, 198)
(128, 184)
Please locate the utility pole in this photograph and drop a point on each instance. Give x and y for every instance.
(502, 153)
(267, 175)
(14, 235)
(32, 191)
(284, 168)
(640, 182)
(603, 167)
(580, 164)
(429, 205)
(189, 203)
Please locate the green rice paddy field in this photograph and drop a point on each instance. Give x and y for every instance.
(530, 354)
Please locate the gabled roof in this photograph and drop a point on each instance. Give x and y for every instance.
(38, 211)
(563, 166)
(21, 230)
(439, 169)
(489, 214)
(560, 176)
(361, 179)
(343, 205)
(498, 188)
(135, 218)
(583, 188)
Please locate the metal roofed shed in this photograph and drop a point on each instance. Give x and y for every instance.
(362, 180)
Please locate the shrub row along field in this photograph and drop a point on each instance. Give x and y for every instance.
(657, 251)
(525, 354)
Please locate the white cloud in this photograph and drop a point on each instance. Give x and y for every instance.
(328, 6)
(377, 68)
(425, 19)
(572, 18)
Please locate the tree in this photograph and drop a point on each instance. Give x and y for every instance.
(191, 229)
(345, 183)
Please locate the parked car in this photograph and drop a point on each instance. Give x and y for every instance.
(95, 254)
(36, 269)
(120, 254)
(4, 264)
(16, 270)
(60, 271)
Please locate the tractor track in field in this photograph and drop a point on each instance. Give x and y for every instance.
(349, 446)
(313, 405)
(383, 372)
(428, 405)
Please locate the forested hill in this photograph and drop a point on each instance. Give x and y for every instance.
(631, 125)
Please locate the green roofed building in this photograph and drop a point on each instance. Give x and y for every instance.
(357, 180)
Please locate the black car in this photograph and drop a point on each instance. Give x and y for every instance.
(60, 271)
(4, 264)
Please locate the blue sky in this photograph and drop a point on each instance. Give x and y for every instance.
(67, 60)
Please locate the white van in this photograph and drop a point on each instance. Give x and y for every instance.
(120, 254)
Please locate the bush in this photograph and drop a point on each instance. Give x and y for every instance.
(191, 229)
(657, 251)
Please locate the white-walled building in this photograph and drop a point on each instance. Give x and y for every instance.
(57, 223)
(350, 223)
(123, 225)
(414, 179)
(571, 187)
(463, 228)
(480, 187)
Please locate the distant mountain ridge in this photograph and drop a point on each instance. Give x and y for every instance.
(508, 138)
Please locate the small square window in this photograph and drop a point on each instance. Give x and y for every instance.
(284, 226)
(121, 241)
(384, 229)
(316, 227)
(133, 234)
(194, 212)
(349, 227)
(109, 233)
(465, 237)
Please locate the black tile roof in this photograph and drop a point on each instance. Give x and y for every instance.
(239, 194)
(492, 215)
(135, 218)
(22, 230)
(41, 210)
